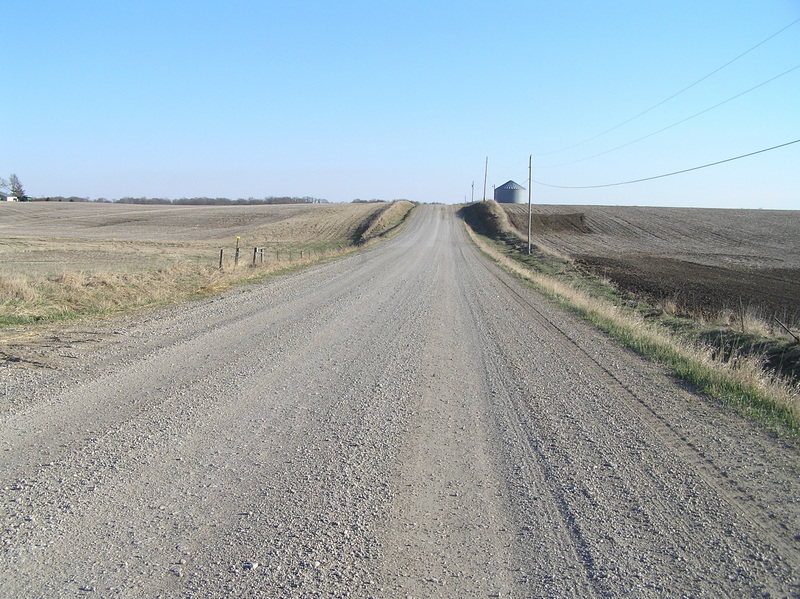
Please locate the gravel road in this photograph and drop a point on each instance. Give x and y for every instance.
(405, 422)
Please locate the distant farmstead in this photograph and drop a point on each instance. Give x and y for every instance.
(8, 197)
(510, 193)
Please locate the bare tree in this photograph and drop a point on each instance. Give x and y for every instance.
(16, 186)
(3, 184)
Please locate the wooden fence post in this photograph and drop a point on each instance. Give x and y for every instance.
(255, 254)
(221, 252)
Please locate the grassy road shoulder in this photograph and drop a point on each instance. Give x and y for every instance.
(736, 380)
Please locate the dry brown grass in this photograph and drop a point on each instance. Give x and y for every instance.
(61, 261)
(384, 222)
(46, 238)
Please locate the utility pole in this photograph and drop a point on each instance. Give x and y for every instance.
(485, 176)
(472, 197)
(530, 160)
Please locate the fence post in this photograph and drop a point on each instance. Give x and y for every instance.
(255, 253)
(236, 256)
(221, 252)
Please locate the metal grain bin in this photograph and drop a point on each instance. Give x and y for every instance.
(510, 193)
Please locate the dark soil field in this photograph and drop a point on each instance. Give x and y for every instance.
(700, 260)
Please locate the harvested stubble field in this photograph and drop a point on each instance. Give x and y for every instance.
(702, 261)
(64, 259)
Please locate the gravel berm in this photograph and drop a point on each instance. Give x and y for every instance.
(408, 421)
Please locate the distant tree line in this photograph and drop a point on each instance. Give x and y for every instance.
(187, 201)
(17, 187)
(13, 187)
(61, 199)
(375, 201)
(222, 201)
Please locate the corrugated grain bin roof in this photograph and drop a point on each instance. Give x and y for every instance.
(510, 185)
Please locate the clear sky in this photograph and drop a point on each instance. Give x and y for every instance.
(378, 99)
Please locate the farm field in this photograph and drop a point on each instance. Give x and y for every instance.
(58, 261)
(703, 260)
(47, 238)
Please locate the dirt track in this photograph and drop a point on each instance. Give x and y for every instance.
(405, 422)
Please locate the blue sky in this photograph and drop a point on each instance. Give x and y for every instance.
(349, 99)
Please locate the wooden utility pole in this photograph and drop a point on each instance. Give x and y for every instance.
(485, 177)
(530, 160)
(472, 197)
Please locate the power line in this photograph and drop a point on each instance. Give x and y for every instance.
(686, 170)
(676, 94)
(688, 118)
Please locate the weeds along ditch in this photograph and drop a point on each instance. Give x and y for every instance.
(756, 374)
(52, 279)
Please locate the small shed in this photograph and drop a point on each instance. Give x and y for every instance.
(510, 193)
(8, 197)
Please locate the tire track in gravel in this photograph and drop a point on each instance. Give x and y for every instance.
(220, 389)
(404, 422)
(749, 518)
(560, 558)
(450, 531)
(713, 475)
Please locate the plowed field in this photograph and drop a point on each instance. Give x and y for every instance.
(703, 260)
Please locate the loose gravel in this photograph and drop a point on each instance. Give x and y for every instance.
(405, 422)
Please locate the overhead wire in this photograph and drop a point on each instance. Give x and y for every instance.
(675, 124)
(762, 42)
(676, 94)
(686, 170)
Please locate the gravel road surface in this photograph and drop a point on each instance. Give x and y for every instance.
(405, 422)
